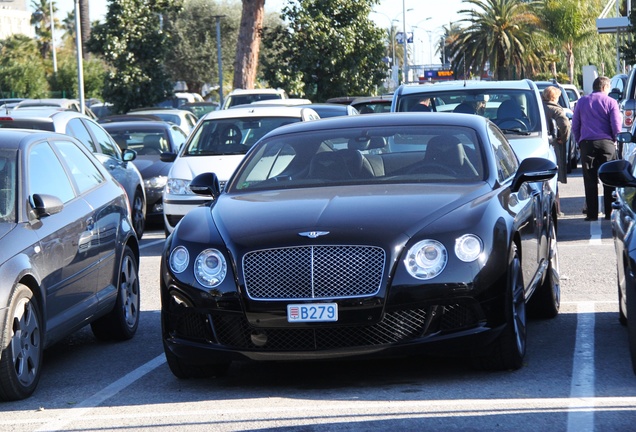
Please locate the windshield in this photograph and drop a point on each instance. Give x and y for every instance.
(8, 185)
(507, 108)
(412, 154)
(232, 135)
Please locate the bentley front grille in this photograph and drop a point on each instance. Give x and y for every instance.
(313, 272)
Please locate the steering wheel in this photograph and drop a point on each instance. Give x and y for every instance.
(511, 123)
(429, 167)
(231, 135)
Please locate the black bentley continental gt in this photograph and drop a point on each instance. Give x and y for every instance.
(401, 234)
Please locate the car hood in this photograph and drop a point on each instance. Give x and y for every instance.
(188, 167)
(152, 166)
(355, 214)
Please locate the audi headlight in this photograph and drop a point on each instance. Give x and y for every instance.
(176, 186)
(179, 259)
(468, 247)
(210, 268)
(426, 259)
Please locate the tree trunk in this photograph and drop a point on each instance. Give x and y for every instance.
(85, 23)
(569, 55)
(249, 43)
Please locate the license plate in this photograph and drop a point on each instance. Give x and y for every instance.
(312, 312)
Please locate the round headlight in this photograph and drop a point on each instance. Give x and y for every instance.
(468, 247)
(179, 259)
(210, 268)
(426, 259)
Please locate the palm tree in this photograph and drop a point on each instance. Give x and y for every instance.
(85, 24)
(249, 43)
(41, 19)
(499, 35)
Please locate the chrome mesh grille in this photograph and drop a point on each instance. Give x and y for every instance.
(313, 272)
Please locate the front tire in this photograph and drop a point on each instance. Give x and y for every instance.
(139, 214)
(22, 346)
(508, 351)
(122, 322)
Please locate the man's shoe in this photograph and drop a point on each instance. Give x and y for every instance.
(590, 219)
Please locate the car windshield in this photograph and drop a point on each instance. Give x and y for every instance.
(405, 154)
(8, 185)
(232, 135)
(509, 109)
(145, 141)
(249, 98)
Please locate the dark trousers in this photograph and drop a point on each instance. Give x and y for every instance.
(595, 153)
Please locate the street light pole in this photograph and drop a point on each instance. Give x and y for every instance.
(52, 18)
(219, 57)
(405, 41)
(80, 65)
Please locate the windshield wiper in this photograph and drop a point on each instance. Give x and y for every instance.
(515, 131)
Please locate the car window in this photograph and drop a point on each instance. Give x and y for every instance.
(11, 123)
(77, 129)
(370, 155)
(233, 135)
(8, 185)
(505, 158)
(105, 141)
(191, 120)
(46, 174)
(84, 172)
(508, 108)
(178, 137)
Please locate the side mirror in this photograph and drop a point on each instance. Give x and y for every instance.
(624, 137)
(168, 157)
(129, 155)
(533, 169)
(617, 173)
(206, 184)
(46, 205)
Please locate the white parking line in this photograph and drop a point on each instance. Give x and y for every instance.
(581, 410)
(86, 405)
(152, 243)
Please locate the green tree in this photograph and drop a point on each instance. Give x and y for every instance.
(331, 48)
(21, 68)
(499, 34)
(41, 20)
(567, 24)
(133, 43)
(193, 54)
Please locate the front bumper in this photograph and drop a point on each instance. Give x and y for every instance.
(206, 335)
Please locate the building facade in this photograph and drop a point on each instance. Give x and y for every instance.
(15, 18)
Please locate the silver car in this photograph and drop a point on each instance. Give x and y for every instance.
(98, 141)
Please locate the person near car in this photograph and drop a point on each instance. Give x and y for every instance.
(595, 124)
(554, 111)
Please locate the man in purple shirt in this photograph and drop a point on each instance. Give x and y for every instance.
(596, 121)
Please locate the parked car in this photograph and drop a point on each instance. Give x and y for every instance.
(98, 141)
(69, 255)
(179, 99)
(572, 147)
(618, 83)
(326, 110)
(621, 175)
(149, 139)
(373, 104)
(69, 104)
(514, 106)
(572, 93)
(182, 118)
(389, 234)
(627, 101)
(199, 109)
(218, 143)
(102, 109)
(247, 96)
